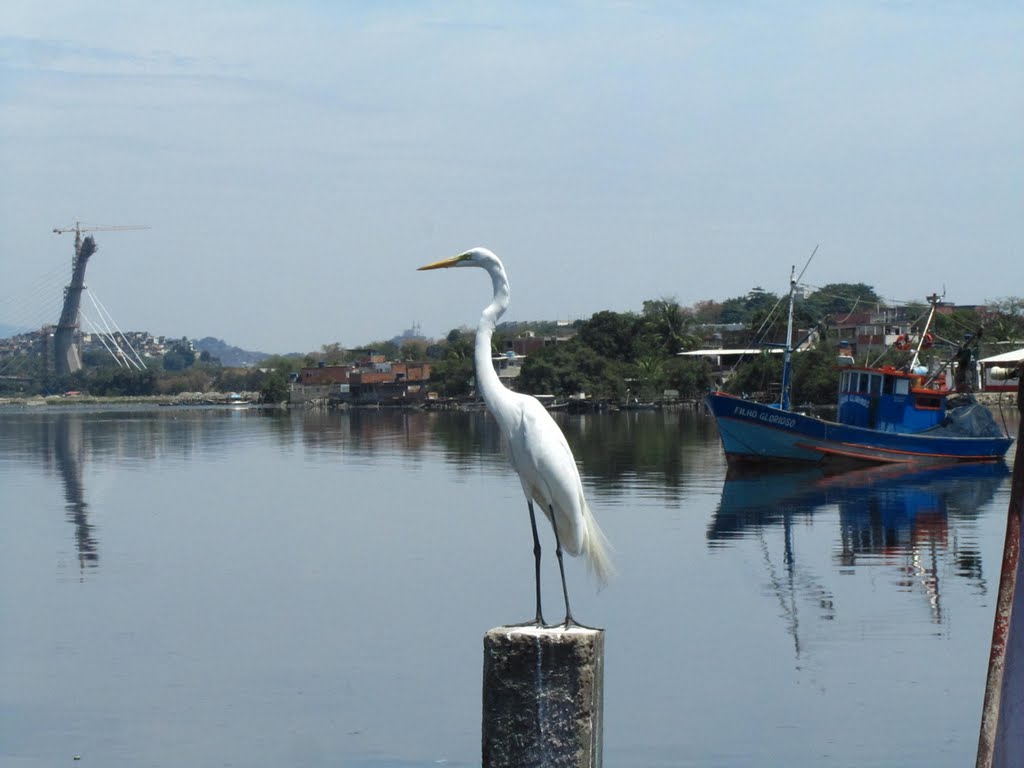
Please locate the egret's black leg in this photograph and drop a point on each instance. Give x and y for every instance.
(536, 561)
(539, 620)
(569, 621)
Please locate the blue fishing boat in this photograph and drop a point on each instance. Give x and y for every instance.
(883, 415)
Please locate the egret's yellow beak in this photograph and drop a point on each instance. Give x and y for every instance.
(444, 263)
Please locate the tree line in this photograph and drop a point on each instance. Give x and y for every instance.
(610, 355)
(615, 355)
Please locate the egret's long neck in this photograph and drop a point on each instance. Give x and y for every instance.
(487, 380)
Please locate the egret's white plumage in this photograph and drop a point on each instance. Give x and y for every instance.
(536, 446)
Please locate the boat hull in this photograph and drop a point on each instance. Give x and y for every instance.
(755, 432)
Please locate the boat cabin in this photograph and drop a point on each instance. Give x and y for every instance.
(890, 400)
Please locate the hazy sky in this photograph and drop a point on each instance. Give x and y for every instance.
(297, 161)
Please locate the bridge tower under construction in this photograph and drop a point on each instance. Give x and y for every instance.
(67, 353)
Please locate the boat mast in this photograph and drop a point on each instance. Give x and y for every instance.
(934, 301)
(788, 353)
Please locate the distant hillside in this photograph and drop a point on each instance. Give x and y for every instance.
(233, 357)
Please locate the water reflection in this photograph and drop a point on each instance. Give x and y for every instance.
(64, 437)
(68, 443)
(615, 451)
(463, 439)
(283, 530)
(618, 449)
(886, 515)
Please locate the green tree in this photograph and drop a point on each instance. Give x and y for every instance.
(332, 354)
(454, 375)
(759, 376)
(839, 299)
(691, 378)
(570, 367)
(951, 330)
(611, 334)
(284, 364)
(191, 380)
(1005, 319)
(275, 388)
(669, 324)
(239, 380)
(746, 309)
(707, 311)
(180, 356)
(412, 351)
(387, 348)
(815, 376)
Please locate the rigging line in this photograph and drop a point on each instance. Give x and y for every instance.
(32, 296)
(960, 325)
(798, 278)
(47, 279)
(754, 338)
(883, 300)
(850, 314)
(809, 260)
(31, 305)
(126, 341)
(767, 320)
(20, 359)
(757, 336)
(27, 300)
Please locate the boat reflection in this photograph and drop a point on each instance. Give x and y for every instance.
(889, 515)
(880, 507)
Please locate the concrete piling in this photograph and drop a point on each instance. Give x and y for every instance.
(543, 697)
(1001, 741)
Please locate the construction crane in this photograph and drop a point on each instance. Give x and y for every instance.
(67, 357)
(78, 229)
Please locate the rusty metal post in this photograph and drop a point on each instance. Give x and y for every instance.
(1001, 742)
(543, 697)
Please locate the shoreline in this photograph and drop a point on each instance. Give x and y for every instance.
(183, 399)
(251, 399)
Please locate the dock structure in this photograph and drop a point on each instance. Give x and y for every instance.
(543, 697)
(1001, 741)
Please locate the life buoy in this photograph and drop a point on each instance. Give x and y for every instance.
(927, 341)
(902, 342)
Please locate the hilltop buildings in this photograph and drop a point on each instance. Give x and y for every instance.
(370, 381)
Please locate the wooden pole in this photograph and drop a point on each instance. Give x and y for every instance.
(1001, 742)
(543, 697)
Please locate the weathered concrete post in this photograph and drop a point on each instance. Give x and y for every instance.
(1001, 742)
(543, 697)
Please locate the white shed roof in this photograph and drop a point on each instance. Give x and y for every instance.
(718, 352)
(1007, 357)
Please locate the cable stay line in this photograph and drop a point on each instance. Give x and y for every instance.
(102, 337)
(96, 300)
(121, 355)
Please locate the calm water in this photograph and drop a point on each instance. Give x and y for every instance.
(232, 588)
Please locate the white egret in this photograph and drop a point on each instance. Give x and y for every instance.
(536, 446)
